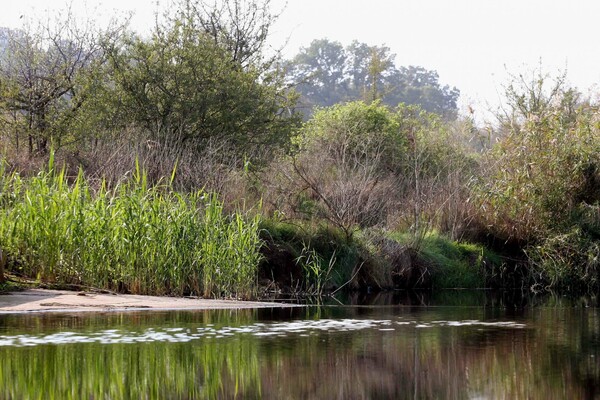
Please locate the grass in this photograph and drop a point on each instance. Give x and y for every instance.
(317, 258)
(453, 264)
(306, 257)
(130, 238)
(10, 286)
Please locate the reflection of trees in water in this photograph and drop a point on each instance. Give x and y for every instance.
(444, 362)
(511, 300)
(555, 355)
(433, 363)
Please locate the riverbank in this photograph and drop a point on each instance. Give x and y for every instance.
(45, 300)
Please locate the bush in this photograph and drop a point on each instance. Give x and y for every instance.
(342, 168)
(545, 182)
(361, 165)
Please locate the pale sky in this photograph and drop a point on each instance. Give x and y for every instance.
(473, 44)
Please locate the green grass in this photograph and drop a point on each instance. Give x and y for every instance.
(318, 257)
(313, 256)
(130, 238)
(453, 264)
(10, 286)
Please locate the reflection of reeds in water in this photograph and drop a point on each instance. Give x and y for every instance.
(133, 237)
(219, 369)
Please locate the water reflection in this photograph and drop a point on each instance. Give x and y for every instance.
(425, 350)
(285, 329)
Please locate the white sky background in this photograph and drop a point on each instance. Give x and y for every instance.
(473, 44)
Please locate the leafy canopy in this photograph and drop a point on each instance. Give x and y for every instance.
(326, 73)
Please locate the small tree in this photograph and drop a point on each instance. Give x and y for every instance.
(241, 27)
(43, 70)
(188, 85)
(346, 162)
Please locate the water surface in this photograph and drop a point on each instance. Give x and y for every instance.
(461, 345)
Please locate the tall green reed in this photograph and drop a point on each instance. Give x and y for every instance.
(132, 237)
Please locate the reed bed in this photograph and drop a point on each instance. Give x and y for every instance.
(130, 238)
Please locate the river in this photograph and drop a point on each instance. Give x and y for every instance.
(450, 345)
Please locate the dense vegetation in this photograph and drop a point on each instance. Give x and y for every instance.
(131, 237)
(183, 167)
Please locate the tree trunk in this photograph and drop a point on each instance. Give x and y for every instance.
(30, 135)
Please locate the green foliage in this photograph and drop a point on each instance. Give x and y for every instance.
(46, 79)
(452, 264)
(416, 85)
(324, 62)
(326, 73)
(8, 286)
(230, 253)
(569, 261)
(317, 257)
(342, 164)
(357, 130)
(433, 150)
(184, 86)
(135, 237)
(544, 191)
(316, 270)
(357, 164)
(545, 169)
(200, 78)
(457, 265)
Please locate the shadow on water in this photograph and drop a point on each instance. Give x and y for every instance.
(453, 344)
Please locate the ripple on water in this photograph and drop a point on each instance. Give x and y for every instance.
(301, 328)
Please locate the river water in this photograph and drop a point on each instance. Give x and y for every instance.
(451, 345)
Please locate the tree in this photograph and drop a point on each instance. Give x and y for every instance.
(319, 73)
(43, 70)
(368, 68)
(185, 86)
(240, 27)
(419, 86)
(326, 73)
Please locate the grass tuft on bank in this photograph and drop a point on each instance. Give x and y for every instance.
(449, 263)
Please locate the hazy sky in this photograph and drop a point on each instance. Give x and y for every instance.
(473, 44)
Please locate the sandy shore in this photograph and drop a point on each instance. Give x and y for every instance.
(44, 300)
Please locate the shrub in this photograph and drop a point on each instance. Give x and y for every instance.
(342, 169)
(544, 181)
